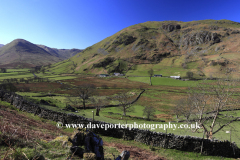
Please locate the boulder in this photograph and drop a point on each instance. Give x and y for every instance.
(235, 32)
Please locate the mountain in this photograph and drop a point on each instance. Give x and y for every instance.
(1, 45)
(61, 53)
(206, 48)
(21, 53)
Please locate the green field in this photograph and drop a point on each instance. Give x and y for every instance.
(24, 73)
(163, 81)
(162, 95)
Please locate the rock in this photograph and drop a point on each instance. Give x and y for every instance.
(216, 49)
(89, 156)
(186, 30)
(102, 51)
(198, 38)
(142, 41)
(213, 27)
(227, 29)
(171, 27)
(124, 39)
(104, 63)
(235, 32)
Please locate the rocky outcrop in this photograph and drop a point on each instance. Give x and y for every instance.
(171, 27)
(235, 32)
(102, 51)
(193, 39)
(124, 39)
(159, 57)
(104, 63)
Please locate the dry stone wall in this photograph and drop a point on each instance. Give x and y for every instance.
(170, 141)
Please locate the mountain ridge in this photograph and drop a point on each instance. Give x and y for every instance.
(22, 53)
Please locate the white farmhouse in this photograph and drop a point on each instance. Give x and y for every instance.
(175, 77)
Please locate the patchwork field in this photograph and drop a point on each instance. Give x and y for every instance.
(162, 96)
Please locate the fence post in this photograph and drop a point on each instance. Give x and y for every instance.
(202, 142)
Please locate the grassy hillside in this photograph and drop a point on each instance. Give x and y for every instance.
(206, 48)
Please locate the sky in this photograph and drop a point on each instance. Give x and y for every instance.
(67, 24)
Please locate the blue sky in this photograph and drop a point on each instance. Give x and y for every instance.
(82, 23)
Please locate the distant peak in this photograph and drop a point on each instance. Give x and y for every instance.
(19, 40)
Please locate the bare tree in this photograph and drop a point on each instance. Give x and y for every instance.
(183, 108)
(149, 111)
(99, 103)
(124, 101)
(83, 92)
(209, 100)
(74, 101)
(150, 73)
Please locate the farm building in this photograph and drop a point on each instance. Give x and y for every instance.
(175, 77)
(118, 74)
(157, 75)
(103, 75)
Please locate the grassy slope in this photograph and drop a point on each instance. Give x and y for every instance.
(156, 37)
(54, 149)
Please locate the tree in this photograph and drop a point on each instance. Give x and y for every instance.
(189, 75)
(43, 70)
(3, 70)
(74, 101)
(83, 92)
(183, 108)
(109, 71)
(208, 100)
(122, 65)
(124, 101)
(149, 111)
(150, 73)
(99, 103)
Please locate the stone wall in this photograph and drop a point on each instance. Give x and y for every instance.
(169, 141)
